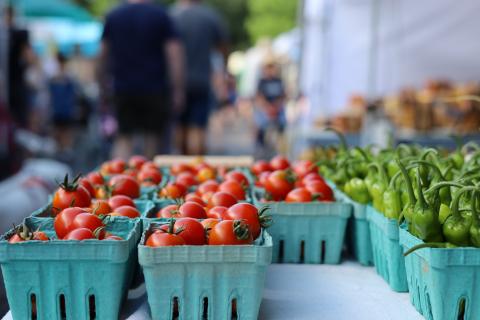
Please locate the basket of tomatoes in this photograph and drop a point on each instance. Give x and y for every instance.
(309, 224)
(205, 269)
(75, 266)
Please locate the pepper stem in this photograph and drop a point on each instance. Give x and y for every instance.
(411, 194)
(456, 199)
(425, 245)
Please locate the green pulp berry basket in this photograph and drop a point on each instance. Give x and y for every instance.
(358, 231)
(387, 251)
(205, 282)
(443, 283)
(69, 279)
(307, 232)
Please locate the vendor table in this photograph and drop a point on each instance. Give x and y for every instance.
(310, 292)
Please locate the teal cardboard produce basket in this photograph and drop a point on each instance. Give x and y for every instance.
(443, 283)
(358, 231)
(387, 251)
(57, 279)
(310, 232)
(205, 282)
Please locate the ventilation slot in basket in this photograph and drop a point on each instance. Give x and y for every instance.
(91, 307)
(205, 309)
(234, 308)
(302, 252)
(62, 306)
(281, 246)
(462, 306)
(33, 305)
(175, 308)
(323, 249)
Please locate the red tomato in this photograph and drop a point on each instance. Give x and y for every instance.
(136, 161)
(261, 166)
(16, 238)
(205, 174)
(313, 176)
(207, 196)
(230, 232)
(187, 179)
(209, 223)
(278, 185)
(233, 187)
(149, 175)
(223, 199)
(217, 212)
(249, 213)
(112, 237)
(100, 207)
(262, 178)
(149, 165)
(173, 191)
(126, 211)
(95, 178)
(237, 176)
(279, 163)
(192, 210)
(87, 185)
(170, 211)
(126, 185)
(80, 234)
(86, 220)
(70, 194)
(192, 232)
(299, 195)
(40, 236)
(304, 167)
(63, 221)
(179, 168)
(164, 239)
(208, 186)
(114, 166)
(120, 201)
(194, 198)
(320, 190)
(131, 172)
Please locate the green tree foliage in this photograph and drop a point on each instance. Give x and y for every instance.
(269, 18)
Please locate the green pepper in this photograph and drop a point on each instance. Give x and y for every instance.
(424, 172)
(379, 186)
(456, 228)
(425, 217)
(356, 189)
(392, 199)
(445, 195)
(475, 227)
(443, 213)
(408, 209)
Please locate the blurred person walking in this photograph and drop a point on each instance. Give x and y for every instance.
(269, 111)
(202, 31)
(20, 55)
(63, 92)
(145, 59)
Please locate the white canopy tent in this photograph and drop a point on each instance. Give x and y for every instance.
(375, 47)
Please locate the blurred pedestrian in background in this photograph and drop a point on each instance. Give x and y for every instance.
(64, 102)
(201, 30)
(269, 103)
(141, 48)
(20, 56)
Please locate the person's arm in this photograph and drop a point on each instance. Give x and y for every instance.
(175, 62)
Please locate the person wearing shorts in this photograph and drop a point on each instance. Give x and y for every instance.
(201, 31)
(141, 47)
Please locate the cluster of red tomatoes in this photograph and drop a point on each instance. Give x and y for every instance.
(297, 182)
(238, 224)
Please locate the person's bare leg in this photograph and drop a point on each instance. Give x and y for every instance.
(123, 147)
(196, 144)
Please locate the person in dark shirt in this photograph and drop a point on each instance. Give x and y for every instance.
(19, 57)
(270, 100)
(145, 59)
(201, 31)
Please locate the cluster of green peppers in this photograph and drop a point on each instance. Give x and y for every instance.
(436, 193)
